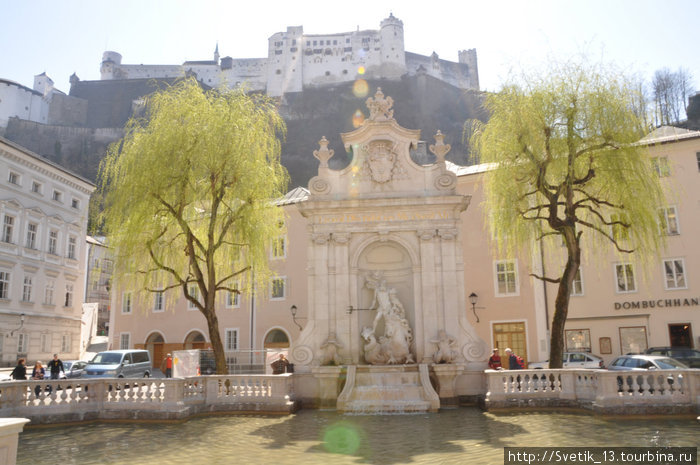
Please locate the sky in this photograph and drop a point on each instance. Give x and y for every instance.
(60, 38)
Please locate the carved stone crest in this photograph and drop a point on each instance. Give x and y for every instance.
(380, 160)
(380, 107)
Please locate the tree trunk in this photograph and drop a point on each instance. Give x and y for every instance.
(561, 306)
(216, 343)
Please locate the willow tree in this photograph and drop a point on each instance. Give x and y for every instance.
(566, 161)
(188, 194)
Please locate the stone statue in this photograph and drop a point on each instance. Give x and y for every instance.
(395, 345)
(445, 352)
(329, 350)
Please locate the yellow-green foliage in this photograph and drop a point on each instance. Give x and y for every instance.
(566, 160)
(188, 190)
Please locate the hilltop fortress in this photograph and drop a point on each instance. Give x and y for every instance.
(296, 61)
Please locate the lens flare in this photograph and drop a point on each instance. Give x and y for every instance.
(357, 119)
(360, 88)
(361, 70)
(341, 439)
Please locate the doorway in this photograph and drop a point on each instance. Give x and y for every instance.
(510, 335)
(680, 335)
(195, 340)
(154, 344)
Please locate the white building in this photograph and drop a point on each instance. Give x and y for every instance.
(44, 212)
(296, 61)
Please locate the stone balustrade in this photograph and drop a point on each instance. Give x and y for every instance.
(52, 401)
(611, 392)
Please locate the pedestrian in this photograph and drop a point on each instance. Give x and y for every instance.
(55, 367)
(280, 366)
(514, 362)
(38, 373)
(20, 371)
(167, 366)
(495, 360)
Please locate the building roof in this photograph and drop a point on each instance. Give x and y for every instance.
(468, 170)
(13, 83)
(45, 160)
(665, 134)
(296, 195)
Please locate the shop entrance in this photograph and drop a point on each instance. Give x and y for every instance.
(680, 335)
(511, 335)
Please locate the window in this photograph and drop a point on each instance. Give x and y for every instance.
(279, 247)
(56, 196)
(36, 187)
(194, 293)
(22, 343)
(13, 178)
(674, 271)
(661, 166)
(48, 292)
(69, 296)
(75, 203)
(233, 299)
(231, 342)
(46, 342)
(126, 302)
(624, 275)
(124, 341)
(506, 277)
(31, 235)
(158, 302)
(53, 242)
(577, 285)
(278, 289)
(4, 285)
(578, 340)
(72, 241)
(27, 289)
(633, 340)
(669, 221)
(65, 343)
(7, 228)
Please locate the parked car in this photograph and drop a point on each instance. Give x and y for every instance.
(573, 360)
(690, 357)
(73, 368)
(120, 364)
(645, 362)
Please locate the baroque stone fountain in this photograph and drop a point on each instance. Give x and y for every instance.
(386, 276)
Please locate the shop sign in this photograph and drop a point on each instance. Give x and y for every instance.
(660, 303)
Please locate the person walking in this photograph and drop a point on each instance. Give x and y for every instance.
(20, 371)
(55, 367)
(167, 366)
(495, 360)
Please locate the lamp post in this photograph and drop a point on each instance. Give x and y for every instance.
(21, 324)
(293, 309)
(473, 298)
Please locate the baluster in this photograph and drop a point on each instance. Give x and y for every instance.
(647, 383)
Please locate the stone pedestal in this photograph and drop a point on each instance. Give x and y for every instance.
(9, 436)
(446, 375)
(328, 378)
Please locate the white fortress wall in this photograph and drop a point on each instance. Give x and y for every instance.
(296, 60)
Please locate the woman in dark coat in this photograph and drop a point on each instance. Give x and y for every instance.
(20, 371)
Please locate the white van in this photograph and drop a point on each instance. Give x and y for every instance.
(120, 364)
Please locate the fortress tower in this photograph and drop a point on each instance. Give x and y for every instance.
(393, 56)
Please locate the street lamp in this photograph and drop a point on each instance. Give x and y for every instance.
(293, 309)
(473, 298)
(21, 324)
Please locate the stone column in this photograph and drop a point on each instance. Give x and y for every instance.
(9, 437)
(431, 311)
(341, 292)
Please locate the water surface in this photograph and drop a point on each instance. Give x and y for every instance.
(462, 436)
